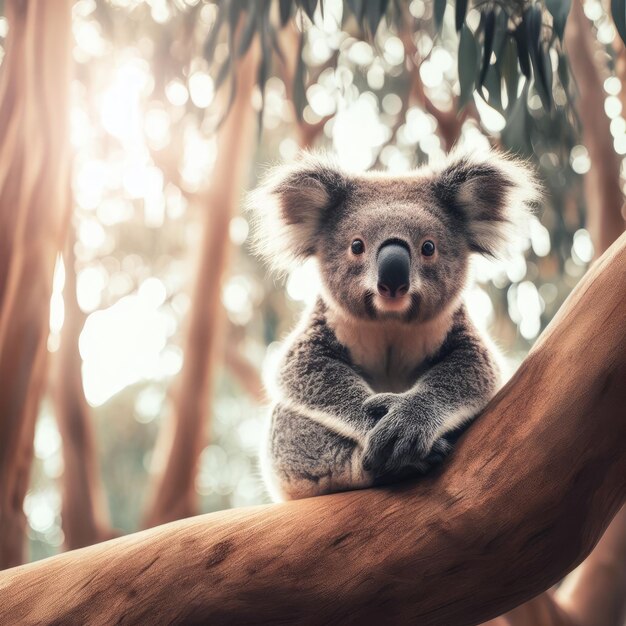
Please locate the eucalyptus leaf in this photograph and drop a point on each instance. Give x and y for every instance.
(509, 71)
(459, 13)
(559, 9)
(501, 30)
(299, 89)
(539, 57)
(439, 10)
(263, 70)
(493, 84)
(563, 70)
(515, 134)
(357, 7)
(490, 26)
(276, 44)
(375, 11)
(249, 29)
(284, 7)
(468, 57)
(308, 6)
(521, 38)
(618, 11)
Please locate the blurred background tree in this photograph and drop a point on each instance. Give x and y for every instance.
(160, 320)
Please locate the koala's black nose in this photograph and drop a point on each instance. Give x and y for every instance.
(394, 264)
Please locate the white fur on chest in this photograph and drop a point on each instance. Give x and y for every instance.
(389, 352)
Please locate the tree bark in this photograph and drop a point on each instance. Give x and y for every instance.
(581, 600)
(84, 515)
(34, 209)
(183, 438)
(523, 499)
(603, 193)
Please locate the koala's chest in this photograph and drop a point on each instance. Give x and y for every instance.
(392, 359)
(388, 366)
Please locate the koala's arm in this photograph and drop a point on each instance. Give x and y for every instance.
(318, 425)
(318, 379)
(458, 384)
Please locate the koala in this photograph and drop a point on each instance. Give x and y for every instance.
(385, 370)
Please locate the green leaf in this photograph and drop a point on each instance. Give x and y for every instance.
(375, 11)
(266, 56)
(468, 64)
(249, 29)
(358, 9)
(490, 26)
(521, 38)
(459, 13)
(559, 9)
(308, 6)
(235, 7)
(539, 57)
(501, 33)
(285, 12)
(439, 10)
(515, 134)
(299, 90)
(509, 71)
(618, 11)
(493, 84)
(563, 70)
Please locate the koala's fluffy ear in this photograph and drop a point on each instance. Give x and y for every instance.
(290, 205)
(492, 193)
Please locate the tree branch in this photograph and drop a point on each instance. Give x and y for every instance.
(603, 193)
(524, 498)
(85, 516)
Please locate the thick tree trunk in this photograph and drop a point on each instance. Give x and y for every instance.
(580, 600)
(603, 193)
(524, 498)
(84, 515)
(34, 208)
(183, 438)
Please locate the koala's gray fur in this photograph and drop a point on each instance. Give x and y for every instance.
(369, 391)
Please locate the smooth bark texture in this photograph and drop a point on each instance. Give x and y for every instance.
(34, 210)
(84, 515)
(182, 439)
(523, 499)
(603, 193)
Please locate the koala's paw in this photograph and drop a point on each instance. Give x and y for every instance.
(402, 438)
(380, 404)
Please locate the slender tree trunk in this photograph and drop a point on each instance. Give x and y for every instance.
(84, 515)
(603, 193)
(183, 437)
(523, 499)
(34, 169)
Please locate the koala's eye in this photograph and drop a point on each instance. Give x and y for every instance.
(428, 248)
(357, 247)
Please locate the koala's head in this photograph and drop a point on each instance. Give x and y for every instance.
(392, 247)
